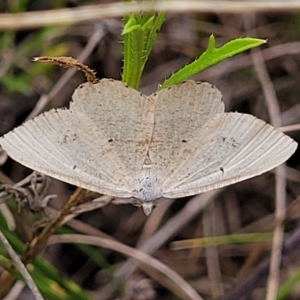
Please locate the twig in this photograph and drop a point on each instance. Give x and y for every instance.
(211, 253)
(96, 12)
(137, 255)
(173, 226)
(289, 128)
(259, 274)
(274, 112)
(36, 293)
(38, 244)
(99, 33)
(15, 291)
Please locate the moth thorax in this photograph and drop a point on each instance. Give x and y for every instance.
(147, 188)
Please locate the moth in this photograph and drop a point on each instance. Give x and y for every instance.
(174, 143)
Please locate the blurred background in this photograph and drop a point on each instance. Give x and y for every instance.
(235, 267)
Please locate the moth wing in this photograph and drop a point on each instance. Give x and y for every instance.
(92, 144)
(123, 115)
(179, 113)
(229, 148)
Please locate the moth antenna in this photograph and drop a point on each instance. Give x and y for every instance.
(68, 62)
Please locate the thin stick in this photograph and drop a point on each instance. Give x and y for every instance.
(139, 256)
(38, 244)
(168, 230)
(274, 112)
(99, 32)
(20, 266)
(91, 13)
(290, 128)
(211, 253)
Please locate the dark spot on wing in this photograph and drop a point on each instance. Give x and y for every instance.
(234, 143)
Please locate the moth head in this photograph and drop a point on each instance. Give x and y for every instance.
(147, 207)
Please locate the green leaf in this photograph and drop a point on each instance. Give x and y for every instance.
(230, 239)
(148, 23)
(288, 286)
(49, 281)
(211, 56)
(139, 33)
(130, 25)
(157, 23)
(15, 84)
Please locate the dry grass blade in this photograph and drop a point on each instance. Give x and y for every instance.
(97, 12)
(172, 227)
(20, 266)
(259, 273)
(290, 128)
(211, 253)
(273, 108)
(15, 291)
(179, 284)
(38, 244)
(96, 37)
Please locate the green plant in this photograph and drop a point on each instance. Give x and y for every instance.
(139, 35)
